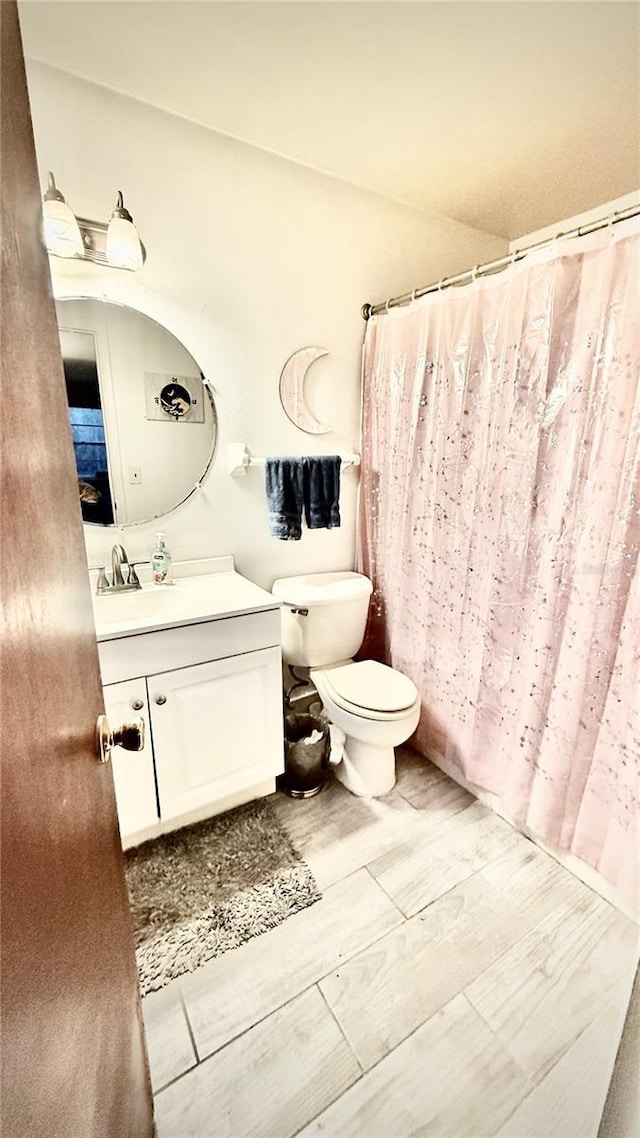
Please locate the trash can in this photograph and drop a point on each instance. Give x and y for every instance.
(306, 752)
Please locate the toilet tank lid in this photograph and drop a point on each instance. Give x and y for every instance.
(314, 589)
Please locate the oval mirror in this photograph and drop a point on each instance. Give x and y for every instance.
(142, 418)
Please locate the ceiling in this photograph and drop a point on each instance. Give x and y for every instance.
(504, 115)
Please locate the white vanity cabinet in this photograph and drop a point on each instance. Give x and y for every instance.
(133, 771)
(217, 729)
(211, 696)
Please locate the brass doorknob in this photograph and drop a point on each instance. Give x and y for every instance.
(129, 736)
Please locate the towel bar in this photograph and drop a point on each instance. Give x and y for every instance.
(239, 459)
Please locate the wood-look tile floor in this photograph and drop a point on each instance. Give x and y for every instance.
(454, 980)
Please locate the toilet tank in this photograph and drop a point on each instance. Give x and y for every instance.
(324, 617)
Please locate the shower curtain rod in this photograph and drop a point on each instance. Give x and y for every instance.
(495, 266)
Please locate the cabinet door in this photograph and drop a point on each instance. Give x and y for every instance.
(133, 773)
(217, 728)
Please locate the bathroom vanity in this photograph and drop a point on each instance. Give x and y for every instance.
(200, 662)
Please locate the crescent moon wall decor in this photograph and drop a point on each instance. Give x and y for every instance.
(292, 390)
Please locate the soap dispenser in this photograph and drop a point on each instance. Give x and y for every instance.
(161, 562)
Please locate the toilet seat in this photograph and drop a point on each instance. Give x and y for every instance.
(370, 689)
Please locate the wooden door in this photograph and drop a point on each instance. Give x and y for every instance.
(73, 1054)
(217, 730)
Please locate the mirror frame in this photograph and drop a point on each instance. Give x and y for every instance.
(62, 294)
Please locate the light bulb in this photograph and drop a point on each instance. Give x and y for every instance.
(61, 230)
(123, 244)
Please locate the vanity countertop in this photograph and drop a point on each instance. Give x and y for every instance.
(190, 600)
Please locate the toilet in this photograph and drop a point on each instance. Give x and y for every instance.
(370, 706)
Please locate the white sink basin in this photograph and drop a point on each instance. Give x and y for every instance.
(146, 602)
(190, 600)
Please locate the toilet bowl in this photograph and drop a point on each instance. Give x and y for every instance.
(371, 707)
(376, 708)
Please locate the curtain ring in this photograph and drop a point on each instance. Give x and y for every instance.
(441, 283)
(413, 295)
(386, 307)
(474, 272)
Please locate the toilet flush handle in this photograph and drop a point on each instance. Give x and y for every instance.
(295, 609)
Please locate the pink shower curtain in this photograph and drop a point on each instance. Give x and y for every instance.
(500, 523)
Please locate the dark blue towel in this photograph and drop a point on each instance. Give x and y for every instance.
(284, 485)
(322, 491)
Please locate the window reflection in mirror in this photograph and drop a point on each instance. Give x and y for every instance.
(142, 417)
(87, 425)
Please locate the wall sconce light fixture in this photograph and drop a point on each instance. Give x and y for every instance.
(123, 244)
(115, 244)
(61, 231)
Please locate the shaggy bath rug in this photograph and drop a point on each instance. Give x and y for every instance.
(207, 888)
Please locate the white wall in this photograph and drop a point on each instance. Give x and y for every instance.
(249, 258)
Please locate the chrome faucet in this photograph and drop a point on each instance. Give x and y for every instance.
(119, 561)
